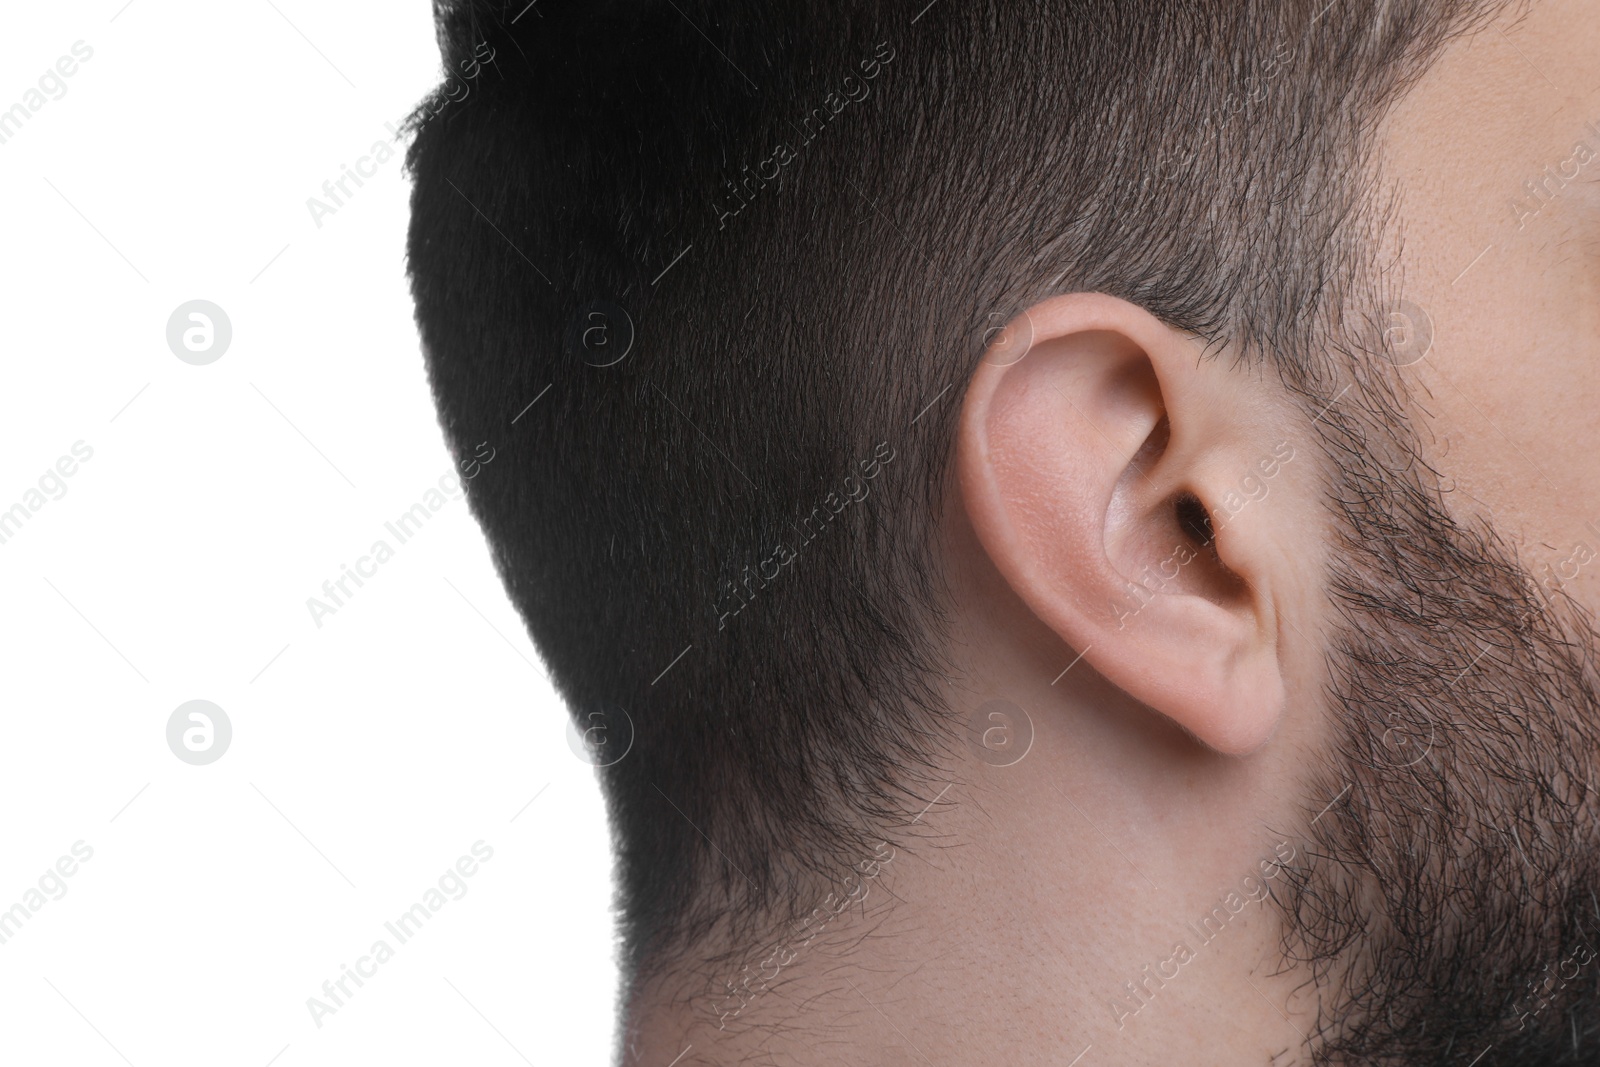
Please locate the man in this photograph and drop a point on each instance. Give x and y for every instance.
(1086, 511)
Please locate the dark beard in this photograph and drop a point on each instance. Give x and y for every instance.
(1446, 900)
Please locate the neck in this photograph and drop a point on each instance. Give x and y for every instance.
(827, 984)
(991, 951)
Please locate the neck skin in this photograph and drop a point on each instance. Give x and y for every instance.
(1093, 899)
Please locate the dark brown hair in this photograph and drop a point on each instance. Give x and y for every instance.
(737, 255)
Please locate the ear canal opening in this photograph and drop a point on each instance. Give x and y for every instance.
(1212, 577)
(1194, 520)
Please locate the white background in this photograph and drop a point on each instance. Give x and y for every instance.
(369, 753)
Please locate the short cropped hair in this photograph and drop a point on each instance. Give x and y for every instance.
(711, 278)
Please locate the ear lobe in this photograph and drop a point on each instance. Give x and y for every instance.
(1092, 440)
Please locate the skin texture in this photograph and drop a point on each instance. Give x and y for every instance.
(1515, 372)
(1347, 694)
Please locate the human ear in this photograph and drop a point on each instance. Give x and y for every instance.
(1094, 447)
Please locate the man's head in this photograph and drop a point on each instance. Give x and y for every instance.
(1072, 467)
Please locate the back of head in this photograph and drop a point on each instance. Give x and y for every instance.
(745, 257)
